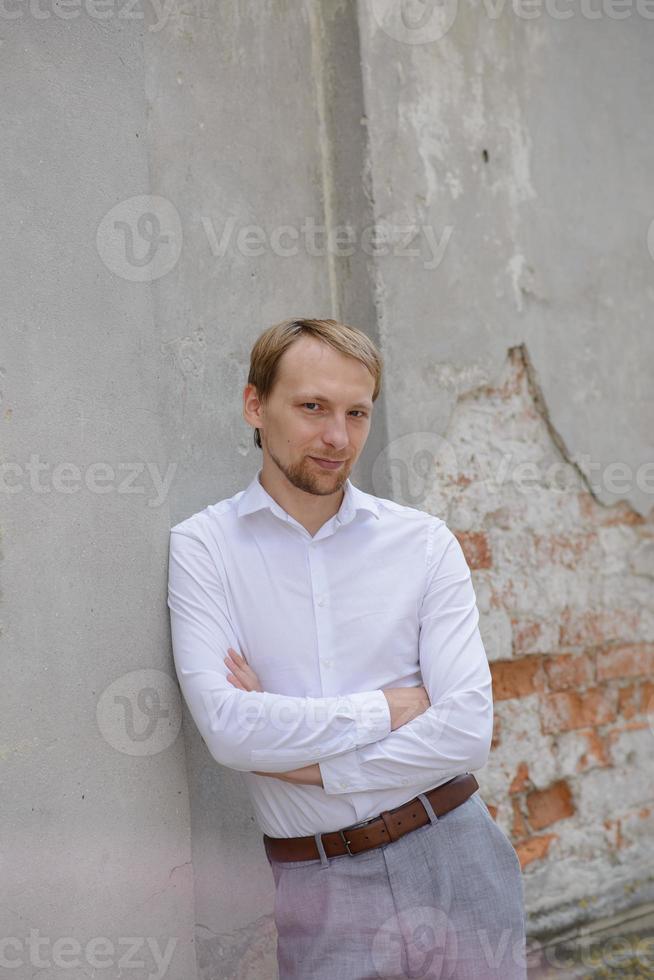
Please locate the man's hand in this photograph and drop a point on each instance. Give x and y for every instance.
(245, 679)
(406, 703)
(242, 675)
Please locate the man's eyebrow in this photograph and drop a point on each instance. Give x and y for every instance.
(313, 397)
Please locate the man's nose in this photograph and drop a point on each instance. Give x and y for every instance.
(335, 433)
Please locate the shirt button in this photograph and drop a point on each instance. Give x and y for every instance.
(344, 783)
(321, 601)
(328, 663)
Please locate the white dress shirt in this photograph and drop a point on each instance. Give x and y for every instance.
(381, 596)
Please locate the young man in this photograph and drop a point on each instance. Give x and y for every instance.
(327, 644)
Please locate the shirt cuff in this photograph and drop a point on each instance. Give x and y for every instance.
(372, 715)
(341, 773)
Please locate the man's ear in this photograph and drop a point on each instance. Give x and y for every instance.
(252, 406)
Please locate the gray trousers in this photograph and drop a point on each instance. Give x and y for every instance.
(444, 901)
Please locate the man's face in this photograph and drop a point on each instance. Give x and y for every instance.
(320, 408)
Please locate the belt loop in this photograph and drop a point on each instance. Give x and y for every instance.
(324, 860)
(428, 807)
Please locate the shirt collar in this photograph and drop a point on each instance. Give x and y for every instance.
(256, 498)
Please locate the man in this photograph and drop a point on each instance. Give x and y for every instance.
(327, 644)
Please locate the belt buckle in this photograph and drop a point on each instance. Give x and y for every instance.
(346, 842)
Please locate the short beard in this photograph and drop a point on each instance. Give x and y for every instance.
(302, 477)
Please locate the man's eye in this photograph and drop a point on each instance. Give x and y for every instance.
(358, 411)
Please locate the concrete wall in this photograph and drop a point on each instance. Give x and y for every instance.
(511, 155)
(96, 836)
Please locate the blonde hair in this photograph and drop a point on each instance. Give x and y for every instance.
(271, 344)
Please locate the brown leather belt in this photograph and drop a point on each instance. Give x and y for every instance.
(389, 826)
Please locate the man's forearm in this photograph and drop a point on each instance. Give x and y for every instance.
(452, 736)
(309, 775)
(404, 703)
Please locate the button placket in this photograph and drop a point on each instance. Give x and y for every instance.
(321, 612)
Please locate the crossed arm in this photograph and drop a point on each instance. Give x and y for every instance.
(344, 742)
(250, 731)
(245, 679)
(404, 703)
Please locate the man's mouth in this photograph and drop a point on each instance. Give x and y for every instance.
(327, 464)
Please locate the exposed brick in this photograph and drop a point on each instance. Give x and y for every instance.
(625, 660)
(569, 670)
(519, 829)
(534, 848)
(475, 548)
(508, 516)
(647, 698)
(566, 710)
(597, 752)
(628, 700)
(588, 627)
(532, 636)
(567, 550)
(618, 840)
(619, 513)
(630, 726)
(517, 678)
(546, 806)
(492, 809)
(497, 729)
(503, 594)
(580, 750)
(520, 779)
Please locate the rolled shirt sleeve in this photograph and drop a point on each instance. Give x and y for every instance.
(454, 734)
(250, 731)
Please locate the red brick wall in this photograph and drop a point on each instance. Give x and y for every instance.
(565, 588)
